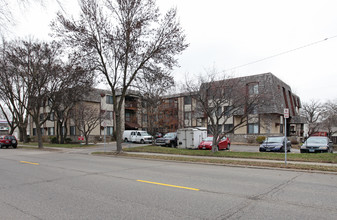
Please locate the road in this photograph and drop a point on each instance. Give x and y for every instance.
(74, 185)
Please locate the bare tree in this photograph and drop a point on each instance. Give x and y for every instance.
(152, 87)
(329, 115)
(7, 17)
(312, 112)
(14, 92)
(222, 99)
(74, 83)
(124, 39)
(87, 118)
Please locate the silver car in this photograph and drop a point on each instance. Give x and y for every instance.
(317, 144)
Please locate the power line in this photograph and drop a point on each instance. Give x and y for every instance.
(282, 53)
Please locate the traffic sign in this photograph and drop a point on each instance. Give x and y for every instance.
(286, 113)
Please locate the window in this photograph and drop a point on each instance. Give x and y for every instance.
(188, 115)
(109, 130)
(187, 100)
(253, 88)
(127, 116)
(109, 115)
(34, 131)
(228, 111)
(51, 116)
(72, 130)
(41, 117)
(228, 127)
(42, 131)
(219, 111)
(253, 109)
(109, 99)
(51, 131)
(145, 118)
(253, 128)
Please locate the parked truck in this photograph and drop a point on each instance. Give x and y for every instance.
(191, 137)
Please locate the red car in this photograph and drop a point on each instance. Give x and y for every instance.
(206, 144)
(7, 141)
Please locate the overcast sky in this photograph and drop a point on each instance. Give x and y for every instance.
(232, 35)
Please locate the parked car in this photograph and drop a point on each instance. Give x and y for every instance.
(141, 137)
(206, 144)
(317, 144)
(169, 139)
(127, 135)
(158, 135)
(273, 144)
(8, 141)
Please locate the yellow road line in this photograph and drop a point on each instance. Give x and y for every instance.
(163, 184)
(29, 162)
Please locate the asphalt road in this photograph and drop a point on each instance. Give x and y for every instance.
(74, 185)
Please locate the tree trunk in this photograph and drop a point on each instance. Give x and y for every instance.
(39, 136)
(119, 133)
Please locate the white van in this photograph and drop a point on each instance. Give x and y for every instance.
(127, 135)
(141, 137)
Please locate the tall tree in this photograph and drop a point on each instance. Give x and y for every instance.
(312, 112)
(87, 118)
(14, 92)
(123, 38)
(74, 83)
(329, 121)
(152, 87)
(222, 99)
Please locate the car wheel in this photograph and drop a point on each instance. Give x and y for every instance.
(125, 140)
(172, 144)
(302, 151)
(228, 146)
(142, 141)
(15, 146)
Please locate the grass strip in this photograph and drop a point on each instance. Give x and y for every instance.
(32, 144)
(227, 162)
(318, 157)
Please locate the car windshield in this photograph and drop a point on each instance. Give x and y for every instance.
(274, 140)
(208, 139)
(316, 141)
(169, 135)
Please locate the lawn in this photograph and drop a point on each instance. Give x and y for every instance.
(318, 157)
(35, 144)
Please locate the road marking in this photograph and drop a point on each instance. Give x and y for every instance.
(163, 184)
(29, 162)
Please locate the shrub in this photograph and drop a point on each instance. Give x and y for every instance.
(53, 140)
(68, 140)
(260, 139)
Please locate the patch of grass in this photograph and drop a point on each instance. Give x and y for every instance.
(35, 144)
(319, 158)
(238, 162)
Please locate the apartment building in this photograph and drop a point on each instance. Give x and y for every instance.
(180, 111)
